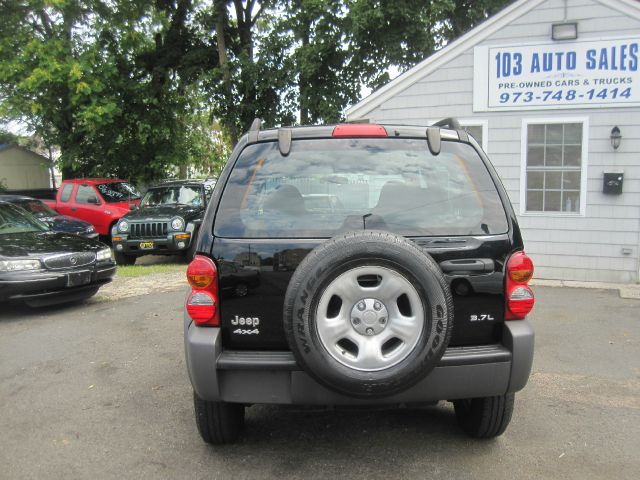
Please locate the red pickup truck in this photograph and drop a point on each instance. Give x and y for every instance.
(99, 201)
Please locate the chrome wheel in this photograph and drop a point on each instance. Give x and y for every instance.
(370, 318)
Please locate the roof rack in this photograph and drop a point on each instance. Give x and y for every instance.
(448, 122)
(434, 136)
(254, 129)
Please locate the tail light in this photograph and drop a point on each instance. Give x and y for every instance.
(202, 302)
(519, 296)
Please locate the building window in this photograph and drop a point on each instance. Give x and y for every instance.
(477, 129)
(555, 166)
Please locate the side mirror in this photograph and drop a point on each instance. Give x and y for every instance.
(133, 206)
(94, 200)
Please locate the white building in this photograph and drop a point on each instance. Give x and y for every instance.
(20, 168)
(543, 85)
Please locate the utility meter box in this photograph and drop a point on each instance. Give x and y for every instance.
(612, 184)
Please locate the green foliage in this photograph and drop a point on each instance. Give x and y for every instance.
(338, 46)
(8, 137)
(107, 82)
(144, 89)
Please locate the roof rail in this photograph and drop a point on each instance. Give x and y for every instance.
(254, 129)
(448, 122)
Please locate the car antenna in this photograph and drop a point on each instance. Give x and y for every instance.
(364, 220)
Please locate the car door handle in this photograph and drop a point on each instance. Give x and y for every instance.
(478, 265)
(73, 209)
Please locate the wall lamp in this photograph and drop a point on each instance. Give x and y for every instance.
(616, 137)
(564, 31)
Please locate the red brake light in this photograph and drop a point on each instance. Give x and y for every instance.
(202, 303)
(520, 298)
(201, 272)
(520, 268)
(359, 130)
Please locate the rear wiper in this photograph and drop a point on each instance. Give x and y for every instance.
(364, 220)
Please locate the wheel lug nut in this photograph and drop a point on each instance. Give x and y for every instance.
(383, 320)
(369, 331)
(361, 306)
(377, 306)
(356, 321)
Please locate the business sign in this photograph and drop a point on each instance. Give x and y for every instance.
(580, 74)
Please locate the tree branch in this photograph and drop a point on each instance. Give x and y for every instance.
(257, 16)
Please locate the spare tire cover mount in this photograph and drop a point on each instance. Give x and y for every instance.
(368, 314)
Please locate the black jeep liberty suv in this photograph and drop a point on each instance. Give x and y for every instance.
(166, 221)
(391, 268)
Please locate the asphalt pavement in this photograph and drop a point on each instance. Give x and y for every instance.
(100, 390)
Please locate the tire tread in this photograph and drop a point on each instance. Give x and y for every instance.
(218, 422)
(486, 417)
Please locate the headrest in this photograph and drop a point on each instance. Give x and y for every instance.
(286, 199)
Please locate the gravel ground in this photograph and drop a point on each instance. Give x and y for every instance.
(125, 287)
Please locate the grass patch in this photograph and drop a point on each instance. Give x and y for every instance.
(143, 270)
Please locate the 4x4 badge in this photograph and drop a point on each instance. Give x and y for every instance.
(242, 331)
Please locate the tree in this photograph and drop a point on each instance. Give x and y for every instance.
(107, 82)
(7, 137)
(251, 79)
(339, 46)
(132, 88)
(466, 14)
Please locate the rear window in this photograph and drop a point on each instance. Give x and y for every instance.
(324, 187)
(66, 192)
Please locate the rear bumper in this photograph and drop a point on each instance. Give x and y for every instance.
(275, 377)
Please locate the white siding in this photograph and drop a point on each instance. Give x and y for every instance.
(22, 169)
(589, 247)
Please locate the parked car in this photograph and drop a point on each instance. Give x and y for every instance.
(166, 221)
(55, 221)
(237, 279)
(414, 290)
(99, 201)
(40, 267)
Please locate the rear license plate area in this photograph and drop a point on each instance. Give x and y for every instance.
(78, 278)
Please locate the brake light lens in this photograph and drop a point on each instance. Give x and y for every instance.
(520, 268)
(355, 130)
(202, 302)
(520, 298)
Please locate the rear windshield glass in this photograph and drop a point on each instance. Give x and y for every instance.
(324, 187)
(172, 195)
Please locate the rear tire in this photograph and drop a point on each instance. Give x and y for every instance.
(218, 422)
(123, 258)
(486, 417)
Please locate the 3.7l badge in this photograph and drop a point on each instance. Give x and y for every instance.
(481, 317)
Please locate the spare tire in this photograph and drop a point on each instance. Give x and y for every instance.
(368, 314)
